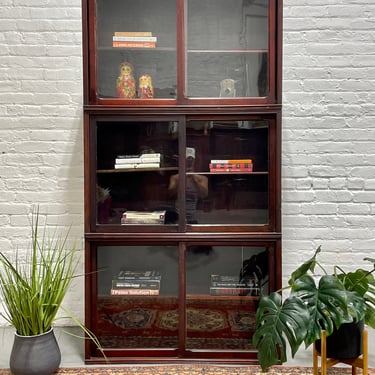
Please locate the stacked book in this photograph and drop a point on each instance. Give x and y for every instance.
(231, 165)
(150, 160)
(133, 39)
(143, 217)
(230, 285)
(136, 283)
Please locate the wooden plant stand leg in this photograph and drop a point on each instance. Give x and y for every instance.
(325, 363)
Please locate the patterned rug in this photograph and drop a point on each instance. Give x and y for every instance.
(195, 370)
(154, 323)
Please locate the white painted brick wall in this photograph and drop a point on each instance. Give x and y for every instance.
(328, 130)
(41, 146)
(328, 125)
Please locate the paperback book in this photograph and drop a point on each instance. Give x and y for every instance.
(136, 283)
(233, 285)
(143, 217)
(139, 275)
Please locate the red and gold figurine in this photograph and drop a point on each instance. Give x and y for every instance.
(125, 84)
(146, 90)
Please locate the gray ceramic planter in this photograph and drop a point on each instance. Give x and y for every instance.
(35, 355)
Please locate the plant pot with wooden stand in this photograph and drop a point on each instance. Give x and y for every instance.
(314, 311)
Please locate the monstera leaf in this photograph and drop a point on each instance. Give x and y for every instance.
(361, 283)
(370, 303)
(302, 270)
(327, 304)
(276, 323)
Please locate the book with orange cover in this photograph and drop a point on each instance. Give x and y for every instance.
(133, 33)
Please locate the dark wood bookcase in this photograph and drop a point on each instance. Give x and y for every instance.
(182, 138)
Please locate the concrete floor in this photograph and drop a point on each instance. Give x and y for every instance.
(72, 350)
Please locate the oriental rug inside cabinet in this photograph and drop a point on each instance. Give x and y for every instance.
(182, 128)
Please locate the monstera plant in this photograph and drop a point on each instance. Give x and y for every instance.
(315, 303)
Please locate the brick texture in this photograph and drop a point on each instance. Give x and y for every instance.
(328, 162)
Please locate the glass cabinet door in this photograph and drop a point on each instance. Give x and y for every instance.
(227, 48)
(135, 159)
(137, 300)
(231, 157)
(136, 49)
(223, 284)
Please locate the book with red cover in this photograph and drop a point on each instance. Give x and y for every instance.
(231, 167)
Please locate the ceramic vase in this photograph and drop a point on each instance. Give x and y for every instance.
(35, 355)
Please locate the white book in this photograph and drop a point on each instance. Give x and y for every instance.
(150, 160)
(134, 38)
(137, 165)
(147, 165)
(128, 160)
(137, 160)
(151, 155)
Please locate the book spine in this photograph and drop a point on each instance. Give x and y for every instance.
(144, 284)
(151, 155)
(128, 156)
(136, 274)
(155, 159)
(133, 44)
(224, 278)
(132, 279)
(130, 217)
(231, 165)
(135, 292)
(229, 285)
(136, 165)
(133, 33)
(232, 170)
(231, 161)
(137, 160)
(233, 291)
(128, 160)
(134, 38)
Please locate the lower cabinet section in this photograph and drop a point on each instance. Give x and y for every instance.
(177, 301)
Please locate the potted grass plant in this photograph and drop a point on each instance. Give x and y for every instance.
(32, 289)
(318, 301)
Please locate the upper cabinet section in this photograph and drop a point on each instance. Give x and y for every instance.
(181, 52)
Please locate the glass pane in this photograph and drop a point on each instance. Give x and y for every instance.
(137, 303)
(136, 44)
(134, 163)
(231, 158)
(223, 284)
(227, 48)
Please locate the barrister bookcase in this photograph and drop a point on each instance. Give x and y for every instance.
(182, 134)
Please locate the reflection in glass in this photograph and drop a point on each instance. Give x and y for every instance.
(227, 48)
(196, 187)
(235, 196)
(135, 319)
(134, 163)
(158, 62)
(223, 283)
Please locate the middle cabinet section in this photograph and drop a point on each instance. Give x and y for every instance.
(182, 173)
